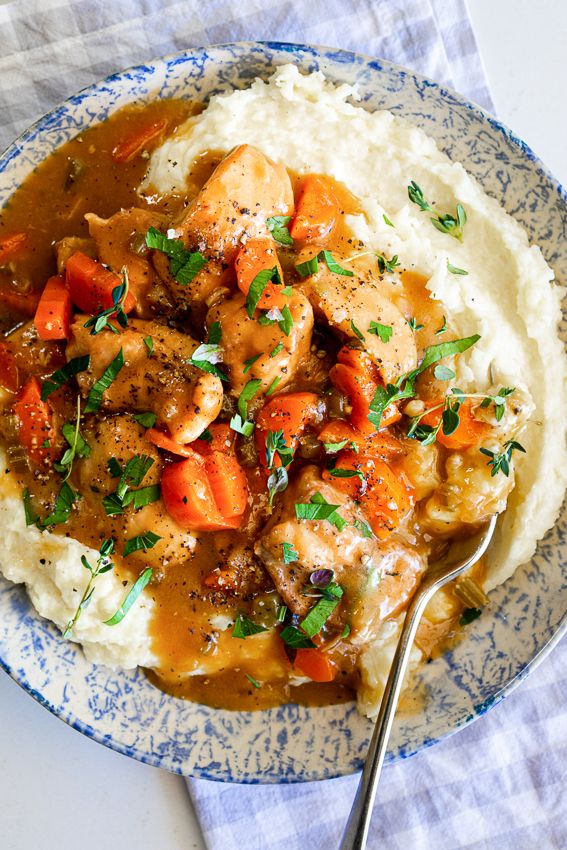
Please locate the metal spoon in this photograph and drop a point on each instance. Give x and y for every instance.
(461, 555)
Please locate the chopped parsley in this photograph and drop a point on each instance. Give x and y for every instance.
(245, 627)
(257, 287)
(131, 597)
(252, 680)
(251, 360)
(443, 373)
(146, 420)
(184, 265)
(278, 227)
(443, 328)
(384, 332)
(454, 270)
(62, 510)
(363, 527)
(207, 355)
(311, 266)
(241, 426)
(314, 621)
(275, 351)
(469, 615)
(333, 448)
(387, 220)
(246, 396)
(131, 475)
(285, 324)
(414, 324)
(295, 639)
(144, 541)
(99, 387)
(273, 386)
(355, 330)
(149, 343)
(62, 376)
(289, 553)
(318, 508)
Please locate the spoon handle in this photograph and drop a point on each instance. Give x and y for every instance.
(356, 832)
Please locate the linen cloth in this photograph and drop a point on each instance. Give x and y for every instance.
(499, 784)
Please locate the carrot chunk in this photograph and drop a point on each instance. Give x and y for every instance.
(91, 285)
(35, 424)
(468, 433)
(317, 210)
(356, 375)
(53, 315)
(228, 483)
(164, 441)
(316, 665)
(10, 245)
(189, 494)
(290, 413)
(222, 440)
(253, 257)
(130, 147)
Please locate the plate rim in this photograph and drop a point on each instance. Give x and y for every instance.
(377, 64)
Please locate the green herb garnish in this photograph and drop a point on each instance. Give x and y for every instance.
(355, 330)
(333, 448)
(414, 324)
(62, 511)
(257, 287)
(250, 362)
(296, 639)
(385, 265)
(468, 615)
(103, 565)
(149, 343)
(241, 426)
(285, 324)
(102, 320)
(501, 462)
(78, 447)
(144, 541)
(61, 376)
(446, 223)
(184, 265)
(273, 386)
(245, 627)
(275, 351)
(289, 553)
(319, 508)
(311, 266)
(454, 270)
(252, 680)
(146, 420)
(383, 331)
(320, 613)
(130, 598)
(387, 220)
(277, 225)
(99, 387)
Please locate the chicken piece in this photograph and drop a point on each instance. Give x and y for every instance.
(244, 338)
(121, 437)
(120, 241)
(344, 301)
(184, 398)
(67, 246)
(243, 191)
(214, 276)
(378, 578)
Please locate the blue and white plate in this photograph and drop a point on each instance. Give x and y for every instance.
(527, 615)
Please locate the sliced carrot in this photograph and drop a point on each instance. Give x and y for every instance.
(385, 494)
(228, 483)
(290, 413)
(316, 665)
(164, 441)
(191, 487)
(134, 144)
(469, 432)
(379, 444)
(222, 440)
(91, 285)
(35, 424)
(387, 500)
(53, 315)
(316, 211)
(253, 257)
(23, 302)
(9, 377)
(10, 245)
(356, 375)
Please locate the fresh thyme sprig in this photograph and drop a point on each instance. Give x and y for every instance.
(102, 320)
(453, 225)
(103, 565)
(501, 462)
(78, 446)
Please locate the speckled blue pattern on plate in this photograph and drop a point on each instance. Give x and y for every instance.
(527, 614)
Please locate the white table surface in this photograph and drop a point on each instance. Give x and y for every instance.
(59, 790)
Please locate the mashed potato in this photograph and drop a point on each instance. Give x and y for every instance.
(508, 297)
